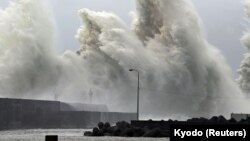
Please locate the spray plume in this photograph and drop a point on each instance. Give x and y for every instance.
(244, 71)
(181, 74)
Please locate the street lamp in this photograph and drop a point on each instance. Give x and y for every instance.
(138, 91)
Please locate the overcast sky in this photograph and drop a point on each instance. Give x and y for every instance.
(223, 22)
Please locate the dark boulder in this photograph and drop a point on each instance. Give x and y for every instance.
(95, 131)
(88, 133)
(138, 132)
(107, 125)
(117, 132)
(128, 132)
(122, 125)
(100, 125)
(214, 119)
(153, 133)
(232, 120)
(221, 119)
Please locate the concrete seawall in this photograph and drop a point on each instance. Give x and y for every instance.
(33, 114)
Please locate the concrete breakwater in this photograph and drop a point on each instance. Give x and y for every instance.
(37, 114)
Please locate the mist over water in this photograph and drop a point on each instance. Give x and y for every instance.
(182, 75)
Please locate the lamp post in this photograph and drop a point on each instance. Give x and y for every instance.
(138, 91)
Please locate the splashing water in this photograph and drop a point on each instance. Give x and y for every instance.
(26, 55)
(181, 74)
(244, 73)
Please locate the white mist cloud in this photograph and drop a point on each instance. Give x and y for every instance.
(244, 70)
(181, 74)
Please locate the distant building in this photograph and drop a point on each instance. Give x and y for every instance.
(31, 114)
(239, 117)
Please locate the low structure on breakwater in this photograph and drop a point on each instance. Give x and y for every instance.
(32, 114)
(239, 117)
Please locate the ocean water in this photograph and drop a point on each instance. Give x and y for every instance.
(63, 134)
